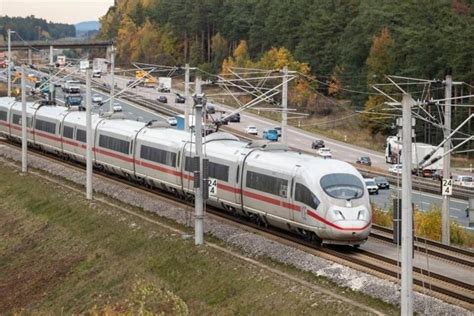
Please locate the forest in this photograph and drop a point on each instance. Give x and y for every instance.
(31, 28)
(345, 45)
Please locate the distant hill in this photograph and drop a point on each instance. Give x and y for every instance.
(87, 26)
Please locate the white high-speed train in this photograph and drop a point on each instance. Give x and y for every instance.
(322, 199)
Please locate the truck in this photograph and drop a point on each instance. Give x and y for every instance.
(393, 154)
(100, 65)
(164, 84)
(147, 79)
(61, 61)
(3, 60)
(73, 100)
(72, 86)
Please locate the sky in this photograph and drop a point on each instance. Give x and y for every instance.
(63, 11)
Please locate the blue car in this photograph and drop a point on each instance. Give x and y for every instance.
(271, 135)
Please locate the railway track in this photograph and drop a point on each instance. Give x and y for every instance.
(445, 288)
(429, 247)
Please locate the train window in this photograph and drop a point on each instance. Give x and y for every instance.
(68, 132)
(266, 183)
(305, 196)
(158, 155)
(114, 144)
(45, 126)
(342, 186)
(16, 119)
(218, 171)
(188, 164)
(81, 136)
(3, 115)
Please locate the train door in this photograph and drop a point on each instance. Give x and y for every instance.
(187, 152)
(292, 207)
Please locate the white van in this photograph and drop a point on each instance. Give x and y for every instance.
(464, 181)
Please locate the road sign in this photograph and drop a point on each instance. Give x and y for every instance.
(447, 186)
(212, 186)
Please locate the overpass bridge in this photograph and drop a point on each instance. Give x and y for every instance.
(63, 43)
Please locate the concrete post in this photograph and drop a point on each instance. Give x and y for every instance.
(112, 79)
(284, 113)
(407, 212)
(30, 58)
(88, 136)
(24, 121)
(51, 59)
(9, 71)
(186, 98)
(199, 203)
(445, 231)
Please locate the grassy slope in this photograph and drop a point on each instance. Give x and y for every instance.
(61, 253)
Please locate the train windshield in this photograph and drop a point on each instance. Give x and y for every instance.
(342, 186)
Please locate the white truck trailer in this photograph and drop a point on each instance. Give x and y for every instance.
(393, 152)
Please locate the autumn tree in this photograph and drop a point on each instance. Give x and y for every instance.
(379, 63)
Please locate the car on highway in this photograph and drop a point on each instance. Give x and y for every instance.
(270, 134)
(96, 74)
(371, 186)
(325, 152)
(172, 120)
(396, 169)
(437, 175)
(96, 98)
(164, 90)
(163, 99)
(252, 130)
(464, 181)
(364, 160)
(278, 129)
(235, 118)
(210, 108)
(179, 98)
(117, 107)
(382, 182)
(317, 143)
(131, 84)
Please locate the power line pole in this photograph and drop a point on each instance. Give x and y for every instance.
(51, 65)
(112, 78)
(88, 135)
(199, 103)
(9, 79)
(186, 98)
(445, 231)
(24, 120)
(284, 113)
(407, 211)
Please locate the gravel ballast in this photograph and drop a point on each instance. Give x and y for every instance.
(251, 244)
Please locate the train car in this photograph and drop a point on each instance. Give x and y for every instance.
(158, 157)
(5, 108)
(47, 128)
(10, 118)
(223, 153)
(114, 144)
(74, 141)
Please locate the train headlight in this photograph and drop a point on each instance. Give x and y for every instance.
(361, 215)
(339, 215)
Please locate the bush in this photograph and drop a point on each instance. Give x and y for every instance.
(427, 225)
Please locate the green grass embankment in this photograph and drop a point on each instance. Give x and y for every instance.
(60, 253)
